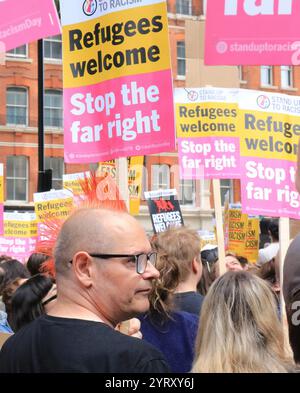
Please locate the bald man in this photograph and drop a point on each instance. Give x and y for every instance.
(104, 268)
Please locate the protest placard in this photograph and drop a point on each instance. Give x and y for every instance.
(118, 97)
(206, 127)
(1, 199)
(252, 239)
(270, 128)
(108, 167)
(164, 209)
(26, 21)
(20, 235)
(71, 183)
(252, 32)
(207, 237)
(236, 226)
(55, 204)
(135, 177)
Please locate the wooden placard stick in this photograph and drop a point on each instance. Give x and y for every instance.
(219, 224)
(122, 178)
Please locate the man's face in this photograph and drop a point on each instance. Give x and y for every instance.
(232, 264)
(120, 291)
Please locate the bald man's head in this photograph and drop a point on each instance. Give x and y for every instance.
(93, 231)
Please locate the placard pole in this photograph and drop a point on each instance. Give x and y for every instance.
(219, 224)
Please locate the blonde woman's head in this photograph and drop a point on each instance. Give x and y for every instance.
(239, 329)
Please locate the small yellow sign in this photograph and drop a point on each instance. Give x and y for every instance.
(135, 177)
(53, 209)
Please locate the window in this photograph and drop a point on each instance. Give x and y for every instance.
(286, 76)
(57, 166)
(184, 7)
(226, 186)
(16, 178)
(20, 51)
(266, 75)
(52, 47)
(53, 108)
(180, 58)
(187, 192)
(16, 106)
(160, 177)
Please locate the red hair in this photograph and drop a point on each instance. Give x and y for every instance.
(98, 192)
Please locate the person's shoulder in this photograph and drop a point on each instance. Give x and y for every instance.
(189, 294)
(4, 326)
(143, 356)
(185, 316)
(190, 302)
(6, 342)
(122, 342)
(99, 344)
(267, 253)
(21, 335)
(274, 246)
(186, 323)
(136, 344)
(198, 296)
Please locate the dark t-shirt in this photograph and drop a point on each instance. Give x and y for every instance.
(52, 344)
(175, 338)
(189, 302)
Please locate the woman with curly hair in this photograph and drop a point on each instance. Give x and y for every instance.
(171, 324)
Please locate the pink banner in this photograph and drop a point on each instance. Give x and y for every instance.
(18, 248)
(216, 158)
(119, 118)
(252, 32)
(25, 21)
(268, 188)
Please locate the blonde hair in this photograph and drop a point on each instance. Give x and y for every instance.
(179, 246)
(239, 330)
(176, 248)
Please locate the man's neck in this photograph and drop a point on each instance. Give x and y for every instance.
(186, 287)
(76, 311)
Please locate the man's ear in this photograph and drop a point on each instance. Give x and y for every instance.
(82, 266)
(196, 265)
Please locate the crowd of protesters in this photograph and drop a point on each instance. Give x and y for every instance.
(190, 318)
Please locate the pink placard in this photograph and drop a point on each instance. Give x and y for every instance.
(25, 21)
(129, 116)
(1, 219)
(19, 248)
(211, 158)
(252, 32)
(268, 188)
